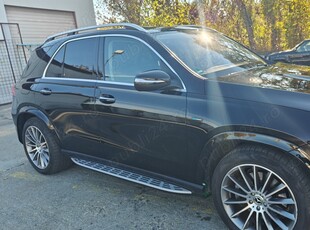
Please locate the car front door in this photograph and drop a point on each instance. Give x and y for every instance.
(66, 93)
(142, 129)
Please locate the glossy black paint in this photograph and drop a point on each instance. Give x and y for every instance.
(152, 80)
(139, 128)
(170, 130)
(70, 109)
(299, 55)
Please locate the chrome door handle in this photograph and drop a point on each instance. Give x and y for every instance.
(107, 99)
(46, 91)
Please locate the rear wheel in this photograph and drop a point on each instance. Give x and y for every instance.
(42, 148)
(259, 188)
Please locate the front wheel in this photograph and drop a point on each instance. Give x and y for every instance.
(256, 187)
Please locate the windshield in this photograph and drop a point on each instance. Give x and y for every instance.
(207, 51)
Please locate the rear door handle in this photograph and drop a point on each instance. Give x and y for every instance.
(107, 99)
(46, 91)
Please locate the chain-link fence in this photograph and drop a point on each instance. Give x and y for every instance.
(13, 58)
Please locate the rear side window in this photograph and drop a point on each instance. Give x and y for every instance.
(76, 59)
(55, 69)
(38, 61)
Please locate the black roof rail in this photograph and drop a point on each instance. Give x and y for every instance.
(195, 27)
(179, 27)
(75, 31)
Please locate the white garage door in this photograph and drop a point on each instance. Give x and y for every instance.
(37, 24)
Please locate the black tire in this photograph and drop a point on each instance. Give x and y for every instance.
(45, 158)
(288, 174)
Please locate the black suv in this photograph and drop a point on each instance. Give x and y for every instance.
(183, 109)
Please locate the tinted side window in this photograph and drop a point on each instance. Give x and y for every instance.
(124, 58)
(55, 69)
(304, 47)
(76, 59)
(81, 59)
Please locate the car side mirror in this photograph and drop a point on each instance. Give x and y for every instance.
(152, 80)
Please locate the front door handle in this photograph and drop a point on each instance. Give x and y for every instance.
(46, 91)
(107, 99)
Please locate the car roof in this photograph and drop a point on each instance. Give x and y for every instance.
(122, 28)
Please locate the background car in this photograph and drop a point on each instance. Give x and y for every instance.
(299, 55)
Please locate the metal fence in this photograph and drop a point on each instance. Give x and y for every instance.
(13, 58)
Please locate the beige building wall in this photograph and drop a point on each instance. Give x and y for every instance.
(83, 9)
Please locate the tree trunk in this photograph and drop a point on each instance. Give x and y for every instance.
(246, 16)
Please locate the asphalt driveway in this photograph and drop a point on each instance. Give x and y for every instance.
(82, 199)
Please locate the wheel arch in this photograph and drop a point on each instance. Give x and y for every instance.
(28, 112)
(223, 142)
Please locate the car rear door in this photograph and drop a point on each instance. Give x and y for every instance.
(142, 129)
(66, 93)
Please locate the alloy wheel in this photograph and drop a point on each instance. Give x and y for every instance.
(37, 148)
(255, 197)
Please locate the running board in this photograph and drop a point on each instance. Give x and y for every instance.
(133, 177)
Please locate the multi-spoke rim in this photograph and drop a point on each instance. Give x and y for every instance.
(37, 148)
(255, 197)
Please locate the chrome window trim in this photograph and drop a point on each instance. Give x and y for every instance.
(107, 35)
(101, 81)
(88, 80)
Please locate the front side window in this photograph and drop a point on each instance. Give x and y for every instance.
(124, 58)
(305, 47)
(76, 59)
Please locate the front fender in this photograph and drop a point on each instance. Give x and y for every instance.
(222, 143)
(279, 143)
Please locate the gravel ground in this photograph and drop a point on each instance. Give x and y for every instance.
(79, 198)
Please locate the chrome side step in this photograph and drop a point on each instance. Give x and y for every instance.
(134, 177)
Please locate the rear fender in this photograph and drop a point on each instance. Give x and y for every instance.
(26, 113)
